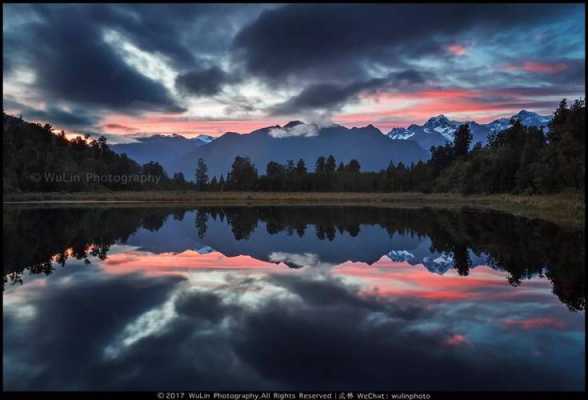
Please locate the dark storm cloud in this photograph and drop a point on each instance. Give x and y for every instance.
(65, 46)
(185, 33)
(73, 63)
(62, 117)
(319, 97)
(76, 118)
(326, 96)
(203, 82)
(341, 41)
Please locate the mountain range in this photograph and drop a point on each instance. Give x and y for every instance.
(440, 130)
(372, 148)
(297, 140)
(164, 149)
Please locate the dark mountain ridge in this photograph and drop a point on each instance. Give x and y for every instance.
(368, 145)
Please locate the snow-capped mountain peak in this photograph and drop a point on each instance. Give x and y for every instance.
(531, 119)
(438, 120)
(205, 138)
(439, 130)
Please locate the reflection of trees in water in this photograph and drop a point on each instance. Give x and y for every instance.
(201, 220)
(522, 247)
(37, 239)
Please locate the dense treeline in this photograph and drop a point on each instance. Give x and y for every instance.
(36, 159)
(519, 159)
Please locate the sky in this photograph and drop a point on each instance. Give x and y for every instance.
(124, 70)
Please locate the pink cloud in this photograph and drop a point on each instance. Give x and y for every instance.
(456, 340)
(391, 279)
(185, 125)
(535, 323)
(117, 128)
(537, 67)
(456, 49)
(406, 108)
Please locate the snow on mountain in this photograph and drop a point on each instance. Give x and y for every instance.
(205, 250)
(499, 125)
(436, 131)
(439, 130)
(528, 118)
(442, 125)
(437, 263)
(400, 134)
(400, 255)
(205, 138)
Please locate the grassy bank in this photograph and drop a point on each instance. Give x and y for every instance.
(565, 208)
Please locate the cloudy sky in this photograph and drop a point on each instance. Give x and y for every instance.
(207, 69)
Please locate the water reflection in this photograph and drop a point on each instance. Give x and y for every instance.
(290, 297)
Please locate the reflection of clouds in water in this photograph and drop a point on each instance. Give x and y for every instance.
(150, 323)
(294, 260)
(215, 329)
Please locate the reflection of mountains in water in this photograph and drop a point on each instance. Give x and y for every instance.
(369, 245)
(37, 239)
(435, 262)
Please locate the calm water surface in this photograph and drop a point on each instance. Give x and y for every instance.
(324, 298)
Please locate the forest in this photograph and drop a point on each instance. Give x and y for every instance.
(519, 160)
(37, 160)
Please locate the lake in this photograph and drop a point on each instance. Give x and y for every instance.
(281, 298)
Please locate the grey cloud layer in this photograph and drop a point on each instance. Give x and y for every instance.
(326, 96)
(340, 41)
(328, 53)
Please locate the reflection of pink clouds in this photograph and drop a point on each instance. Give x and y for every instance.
(399, 279)
(538, 67)
(456, 340)
(176, 263)
(535, 323)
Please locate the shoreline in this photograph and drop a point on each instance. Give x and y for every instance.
(563, 208)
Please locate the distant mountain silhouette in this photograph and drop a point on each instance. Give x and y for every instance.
(164, 149)
(296, 140)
